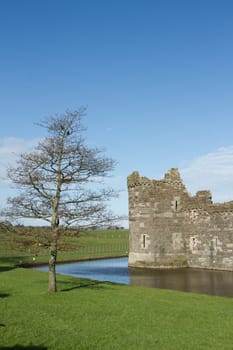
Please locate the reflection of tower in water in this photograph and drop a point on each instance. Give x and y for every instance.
(185, 279)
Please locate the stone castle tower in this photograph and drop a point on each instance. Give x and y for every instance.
(169, 228)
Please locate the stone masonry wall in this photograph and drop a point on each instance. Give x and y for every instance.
(170, 228)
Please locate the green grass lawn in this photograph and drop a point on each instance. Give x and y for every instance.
(90, 315)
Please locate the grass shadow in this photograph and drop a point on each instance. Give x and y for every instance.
(11, 262)
(4, 295)
(22, 347)
(6, 268)
(84, 283)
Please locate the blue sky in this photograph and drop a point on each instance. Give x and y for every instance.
(156, 76)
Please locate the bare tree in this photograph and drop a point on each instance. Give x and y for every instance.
(59, 181)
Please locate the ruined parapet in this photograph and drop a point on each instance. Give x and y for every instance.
(135, 179)
(204, 197)
(173, 178)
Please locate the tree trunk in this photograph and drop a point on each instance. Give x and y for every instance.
(52, 263)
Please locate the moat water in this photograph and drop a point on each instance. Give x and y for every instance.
(186, 279)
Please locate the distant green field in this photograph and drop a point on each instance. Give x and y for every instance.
(28, 244)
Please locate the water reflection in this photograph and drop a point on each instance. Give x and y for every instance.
(186, 279)
(116, 270)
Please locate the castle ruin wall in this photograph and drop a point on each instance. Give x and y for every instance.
(170, 228)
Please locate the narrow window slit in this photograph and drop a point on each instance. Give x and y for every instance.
(144, 241)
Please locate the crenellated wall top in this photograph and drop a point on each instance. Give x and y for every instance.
(172, 177)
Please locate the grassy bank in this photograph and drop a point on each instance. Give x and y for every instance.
(93, 315)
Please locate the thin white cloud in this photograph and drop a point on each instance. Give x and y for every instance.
(214, 172)
(10, 147)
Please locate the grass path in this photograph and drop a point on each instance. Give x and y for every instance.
(103, 316)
